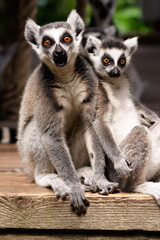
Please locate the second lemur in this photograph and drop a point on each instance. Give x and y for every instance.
(126, 130)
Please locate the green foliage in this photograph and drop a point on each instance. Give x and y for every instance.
(53, 10)
(88, 14)
(128, 18)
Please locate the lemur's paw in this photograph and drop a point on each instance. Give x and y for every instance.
(104, 187)
(61, 190)
(78, 200)
(85, 175)
(122, 168)
(110, 188)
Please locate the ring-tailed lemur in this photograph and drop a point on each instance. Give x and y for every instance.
(57, 108)
(126, 130)
(102, 12)
(102, 27)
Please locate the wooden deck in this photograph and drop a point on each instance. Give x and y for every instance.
(28, 210)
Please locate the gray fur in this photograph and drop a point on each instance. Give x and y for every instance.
(132, 149)
(58, 106)
(55, 25)
(147, 116)
(96, 154)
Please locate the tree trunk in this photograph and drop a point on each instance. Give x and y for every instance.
(81, 8)
(15, 14)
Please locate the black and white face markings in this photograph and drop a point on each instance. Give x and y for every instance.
(110, 56)
(113, 66)
(113, 57)
(56, 43)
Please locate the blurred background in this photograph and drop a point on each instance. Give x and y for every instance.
(129, 18)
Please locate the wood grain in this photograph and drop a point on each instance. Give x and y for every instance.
(9, 158)
(25, 205)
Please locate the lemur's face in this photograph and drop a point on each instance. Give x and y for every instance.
(111, 57)
(112, 61)
(57, 43)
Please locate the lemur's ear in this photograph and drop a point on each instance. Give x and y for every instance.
(76, 23)
(31, 33)
(93, 45)
(131, 44)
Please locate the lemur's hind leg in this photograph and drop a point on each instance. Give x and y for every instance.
(153, 170)
(44, 172)
(139, 151)
(153, 167)
(137, 148)
(47, 178)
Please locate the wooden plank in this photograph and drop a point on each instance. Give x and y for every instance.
(26, 205)
(9, 158)
(8, 148)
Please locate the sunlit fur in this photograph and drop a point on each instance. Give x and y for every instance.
(58, 107)
(128, 131)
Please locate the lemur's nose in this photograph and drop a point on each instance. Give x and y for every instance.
(114, 73)
(59, 51)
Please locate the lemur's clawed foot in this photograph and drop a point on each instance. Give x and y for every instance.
(52, 180)
(85, 175)
(59, 187)
(122, 167)
(104, 187)
(78, 200)
(101, 185)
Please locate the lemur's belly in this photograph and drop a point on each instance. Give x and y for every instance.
(70, 97)
(124, 120)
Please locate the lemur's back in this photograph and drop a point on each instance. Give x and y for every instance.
(28, 101)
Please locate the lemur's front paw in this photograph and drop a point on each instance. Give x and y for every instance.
(104, 187)
(61, 190)
(85, 175)
(78, 200)
(122, 167)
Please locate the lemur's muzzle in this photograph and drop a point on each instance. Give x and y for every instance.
(114, 73)
(59, 56)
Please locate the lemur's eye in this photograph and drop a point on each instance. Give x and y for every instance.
(67, 39)
(122, 61)
(47, 43)
(106, 60)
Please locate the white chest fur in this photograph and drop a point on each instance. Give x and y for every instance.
(70, 96)
(123, 116)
